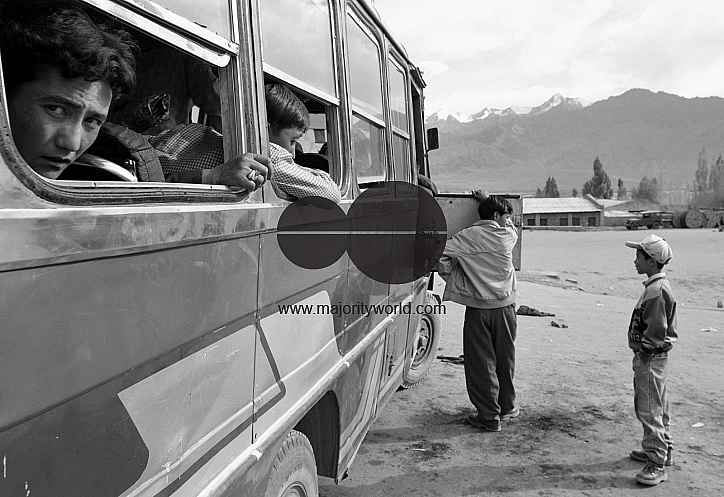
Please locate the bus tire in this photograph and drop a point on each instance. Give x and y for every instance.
(656, 225)
(294, 473)
(427, 340)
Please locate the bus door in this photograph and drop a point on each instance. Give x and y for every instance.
(404, 296)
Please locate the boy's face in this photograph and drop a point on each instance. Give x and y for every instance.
(644, 265)
(55, 119)
(501, 219)
(286, 137)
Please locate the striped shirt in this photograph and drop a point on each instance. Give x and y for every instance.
(193, 147)
(292, 181)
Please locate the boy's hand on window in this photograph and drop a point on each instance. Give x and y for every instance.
(481, 195)
(248, 171)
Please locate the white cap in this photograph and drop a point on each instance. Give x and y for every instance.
(654, 246)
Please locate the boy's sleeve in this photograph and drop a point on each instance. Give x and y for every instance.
(510, 227)
(655, 314)
(448, 260)
(292, 181)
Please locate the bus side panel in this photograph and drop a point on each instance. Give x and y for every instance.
(126, 372)
(403, 254)
(299, 333)
(357, 391)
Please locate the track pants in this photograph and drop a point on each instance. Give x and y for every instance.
(489, 352)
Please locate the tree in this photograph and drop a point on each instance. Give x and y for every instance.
(551, 188)
(648, 190)
(574, 192)
(621, 194)
(599, 185)
(716, 176)
(702, 173)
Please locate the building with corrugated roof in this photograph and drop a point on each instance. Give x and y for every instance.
(567, 211)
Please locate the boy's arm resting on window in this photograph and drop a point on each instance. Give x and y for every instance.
(248, 171)
(294, 181)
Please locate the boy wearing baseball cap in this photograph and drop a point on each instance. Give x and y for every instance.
(651, 334)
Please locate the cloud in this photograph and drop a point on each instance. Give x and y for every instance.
(431, 68)
(500, 53)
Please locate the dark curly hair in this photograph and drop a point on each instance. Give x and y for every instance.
(68, 39)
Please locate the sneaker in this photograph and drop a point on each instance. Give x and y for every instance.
(483, 424)
(509, 415)
(640, 455)
(652, 474)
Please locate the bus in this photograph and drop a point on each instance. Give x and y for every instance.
(155, 340)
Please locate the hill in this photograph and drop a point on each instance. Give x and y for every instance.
(636, 134)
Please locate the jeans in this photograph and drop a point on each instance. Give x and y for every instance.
(489, 351)
(652, 404)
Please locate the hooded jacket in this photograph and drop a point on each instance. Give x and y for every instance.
(477, 265)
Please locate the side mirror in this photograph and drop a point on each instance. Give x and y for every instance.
(433, 142)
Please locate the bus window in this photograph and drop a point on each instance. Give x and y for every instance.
(368, 124)
(151, 134)
(291, 29)
(215, 16)
(399, 120)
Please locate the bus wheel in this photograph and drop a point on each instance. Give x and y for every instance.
(656, 225)
(294, 473)
(427, 340)
(635, 226)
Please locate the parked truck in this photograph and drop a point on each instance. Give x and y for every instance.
(650, 219)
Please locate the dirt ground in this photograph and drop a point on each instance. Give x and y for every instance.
(574, 385)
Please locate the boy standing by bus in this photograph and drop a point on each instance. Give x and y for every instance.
(477, 265)
(651, 334)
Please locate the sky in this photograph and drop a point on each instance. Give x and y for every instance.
(502, 53)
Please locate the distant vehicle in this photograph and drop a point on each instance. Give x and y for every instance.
(651, 219)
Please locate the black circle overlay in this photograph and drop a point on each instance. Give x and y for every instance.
(394, 234)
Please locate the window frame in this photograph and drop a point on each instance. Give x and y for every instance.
(370, 30)
(335, 106)
(232, 79)
(394, 59)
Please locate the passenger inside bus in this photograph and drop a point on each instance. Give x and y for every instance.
(288, 120)
(62, 72)
(185, 80)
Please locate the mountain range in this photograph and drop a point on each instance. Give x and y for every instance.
(638, 133)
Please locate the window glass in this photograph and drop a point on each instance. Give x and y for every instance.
(401, 156)
(364, 69)
(398, 97)
(297, 40)
(214, 16)
(368, 152)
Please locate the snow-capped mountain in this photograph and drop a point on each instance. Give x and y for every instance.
(557, 100)
(638, 133)
(554, 101)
